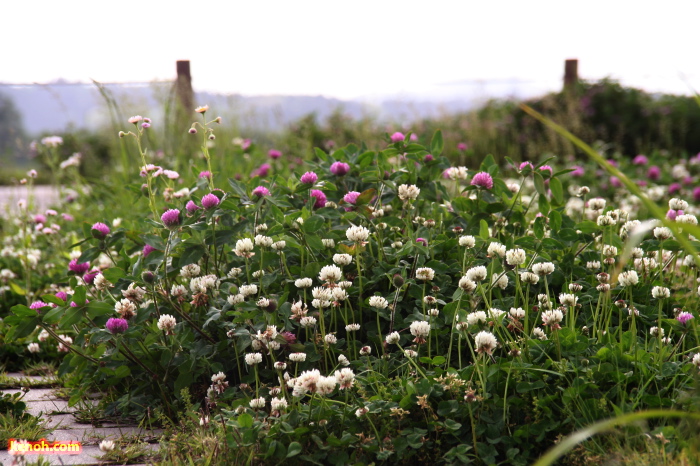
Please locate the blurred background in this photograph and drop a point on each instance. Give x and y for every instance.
(298, 75)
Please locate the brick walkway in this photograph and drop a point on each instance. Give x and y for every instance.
(43, 403)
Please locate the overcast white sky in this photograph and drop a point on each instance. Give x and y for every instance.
(351, 49)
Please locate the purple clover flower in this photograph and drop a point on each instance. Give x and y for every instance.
(546, 168)
(309, 178)
(615, 182)
(428, 158)
(261, 191)
(320, 198)
(274, 154)
(654, 173)
(39, 218)
(578, 171)
(147, 249)
(351, 197)
(36, 305)
(67, 217)
(526, 167)
(462, 146)
(422, 241)
(78, 268)
(397, 137)
(205, 174)
(90, 276)
(99, 230)
(673, 188)
(171, 219)
(191, 207)
(640, 160)
(340, 168)
(263, 170)
(482, 180)
(684, 317)
(115, 325)
(696, 194)
(209, 201)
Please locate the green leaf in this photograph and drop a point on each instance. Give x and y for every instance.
(294, 449)
(192, 254)
(23, 311)
(538, 227)
(555, 221)
(557, 191)
(89, 254)
(313, 223)
(113, 274)
(245, 421)
(484, 229)
(72, 316)
(17, 289)
(436, 144)
(366, 197)
(539, 184)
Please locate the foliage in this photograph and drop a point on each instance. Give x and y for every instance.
(369, 305)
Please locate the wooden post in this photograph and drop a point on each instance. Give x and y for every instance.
(570, 74)
(185, 96)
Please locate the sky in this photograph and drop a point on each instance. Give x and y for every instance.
(359, 49)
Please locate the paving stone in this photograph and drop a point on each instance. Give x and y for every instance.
(35, 408)
(34, 394)
(88, 457)
(96, 434)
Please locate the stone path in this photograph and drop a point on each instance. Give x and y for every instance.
(44, 197)
(43, 402)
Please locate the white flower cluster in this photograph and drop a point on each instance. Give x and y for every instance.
(485, 342)
(330, 274)
(244, 248)
(628, 278)
(477, 274)
(190, 271)
(357, 234)
(408, 192)
(167, 323)
(379, 302)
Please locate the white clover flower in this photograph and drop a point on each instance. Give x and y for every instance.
(330, 273)
(306, 382)
(408, 192)
(263, 303)
(425, 273)
(280, 366)
(244, 247)
(515, 257)
(125, 308)
(303, 283)
(252, 359)
(279, 245)
(190, 271)
(662, 233)
(485, 342)
(352, 327)
(660, 292)
(677, 204)
(628, 278)
(328, 243)
(596, 204)
(258, 273)
(517, 313)
(467, 241)
(106, 446)
(543, 268)
(307, 321)
(433, 312)
(357, 234)
(339, 294)
(278, 404)
(345, 378)
(393, 338)
(378, 302)
(687, 219)
(297, 357)
(248, 290)
(359, 412)
(258, 403)
(645, 264)
(43, 335)
(696, 360)
(457, 173)
(345, 284)
(496, 249)
(397, 244)
(476, 318)
(263, 241)
(33, 348)
(330, 339)
(342, 259)
(593, 265)
(166, 323)
(499, 280)
(552, 317)
(235, 272)
(656, 332)
(605, 220)
(539, 333)
(568, 299)
(410, 353)
(343, 361)
(466, 284)
(420, 329)
(235, 299)
(322, 293)
(101, 283)
(218, 378)
(61, 348)
(477, 274)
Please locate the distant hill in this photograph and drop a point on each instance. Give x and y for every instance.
(62, 105)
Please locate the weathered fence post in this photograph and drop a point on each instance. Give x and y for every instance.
(570, 74)
(185, 96)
